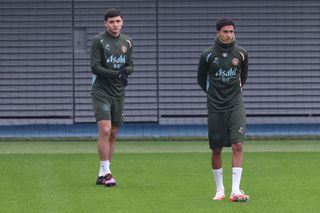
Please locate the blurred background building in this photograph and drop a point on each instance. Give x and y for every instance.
(46, 76)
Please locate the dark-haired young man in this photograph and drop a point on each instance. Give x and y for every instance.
(222, 72)
(111, 64)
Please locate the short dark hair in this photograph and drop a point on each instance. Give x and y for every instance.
(112, 12)
(224, 22)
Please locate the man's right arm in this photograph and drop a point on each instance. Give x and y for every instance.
(202, 73)
(95, 61)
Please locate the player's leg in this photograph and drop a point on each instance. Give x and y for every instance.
(102, 110)
(237, 154)
(103, 145)
(216, 160)
(117, 119)
(237, 160)
(112, 140)
(108, 177)
(116, 122)
(216, 133)
(237, 133)
(104, 148)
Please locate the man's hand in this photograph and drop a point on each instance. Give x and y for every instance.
(123, 76)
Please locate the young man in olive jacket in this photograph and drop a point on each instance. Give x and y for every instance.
(222, 72)
(111, 64)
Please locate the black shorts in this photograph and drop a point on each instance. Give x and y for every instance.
(106, 108)
(226, 128)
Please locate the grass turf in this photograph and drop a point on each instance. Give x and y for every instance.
(155, 177)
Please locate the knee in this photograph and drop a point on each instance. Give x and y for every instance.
(237, 147)
(216, 152)
(105, 131)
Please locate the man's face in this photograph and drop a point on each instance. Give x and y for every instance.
(114, 25)
(226, 33)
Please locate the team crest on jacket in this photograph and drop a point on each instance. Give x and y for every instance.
(124, 49)
(235, 61)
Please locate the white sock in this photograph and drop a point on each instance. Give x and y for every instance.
(104, 168)
(236, 178)
(218, 178)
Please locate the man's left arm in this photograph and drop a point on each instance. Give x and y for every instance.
(244, 67)
(129, 62)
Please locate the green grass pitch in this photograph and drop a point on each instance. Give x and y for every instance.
(156, 176)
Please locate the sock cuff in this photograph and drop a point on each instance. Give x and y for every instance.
(237, 168)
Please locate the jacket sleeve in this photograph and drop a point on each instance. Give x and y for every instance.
(95, 61)
(129, 62)
(244, 68)
(202, 73)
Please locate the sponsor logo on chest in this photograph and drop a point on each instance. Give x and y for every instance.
(226, 75)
